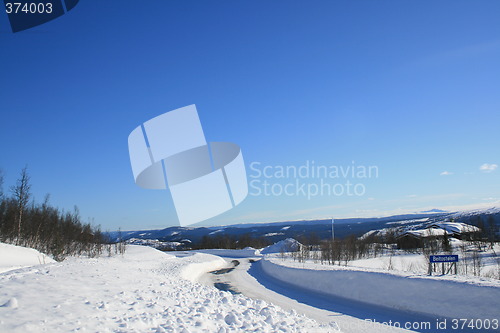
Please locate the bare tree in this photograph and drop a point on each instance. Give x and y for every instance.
(1, 184)
(476, 262)
(22, 196)
(490, 232)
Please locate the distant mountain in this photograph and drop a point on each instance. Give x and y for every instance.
(435, 210)
(278, 231)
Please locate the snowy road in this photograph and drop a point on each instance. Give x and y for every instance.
(249, 279)
(351, 316)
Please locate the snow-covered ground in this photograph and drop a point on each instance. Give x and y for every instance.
(400, 261)
(381, 290)
(146, 290)
(14, 257)
(249, 279)
(449, 297)
(143, 291)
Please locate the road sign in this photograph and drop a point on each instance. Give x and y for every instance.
(444, 258)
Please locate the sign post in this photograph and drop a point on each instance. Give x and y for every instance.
(446, 258)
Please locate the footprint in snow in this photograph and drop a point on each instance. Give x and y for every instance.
(11, 303)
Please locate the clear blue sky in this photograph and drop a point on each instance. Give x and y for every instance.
(411, 87)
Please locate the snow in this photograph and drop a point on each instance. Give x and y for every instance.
(483, 210)
(422, 233)
(409, 221)
(271, 234)
(144, 290)
(423, 229)
(204, 263)
(383, 232)
(153, 243)
(427, 296)
(215, 232)
(368, 234)
(249, 279)
(455, 227)
(286, 245)
(412, 263)
(14, 257)
(11, 303)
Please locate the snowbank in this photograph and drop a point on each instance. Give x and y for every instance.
(286, 245)
(415, 294)
(13, 257)
(200, 264)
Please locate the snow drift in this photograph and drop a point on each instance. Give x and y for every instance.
(204, 263)
(14, 257)
(286, 245)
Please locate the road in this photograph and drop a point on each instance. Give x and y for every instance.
(248, 278)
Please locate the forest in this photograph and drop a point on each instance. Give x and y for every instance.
(44, 227)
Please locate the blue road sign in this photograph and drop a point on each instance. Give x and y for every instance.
(444, 258)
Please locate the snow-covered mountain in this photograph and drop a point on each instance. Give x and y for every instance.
(277, 231)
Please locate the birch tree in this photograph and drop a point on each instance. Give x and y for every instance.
(22, 194)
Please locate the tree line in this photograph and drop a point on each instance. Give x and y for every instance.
(43, 227)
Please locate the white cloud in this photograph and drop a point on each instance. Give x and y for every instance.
(446, 173)
(488, 167)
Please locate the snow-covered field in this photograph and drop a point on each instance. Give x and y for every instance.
(399, 261)
(143, 291)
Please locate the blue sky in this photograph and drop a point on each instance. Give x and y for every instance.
(408, 86)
